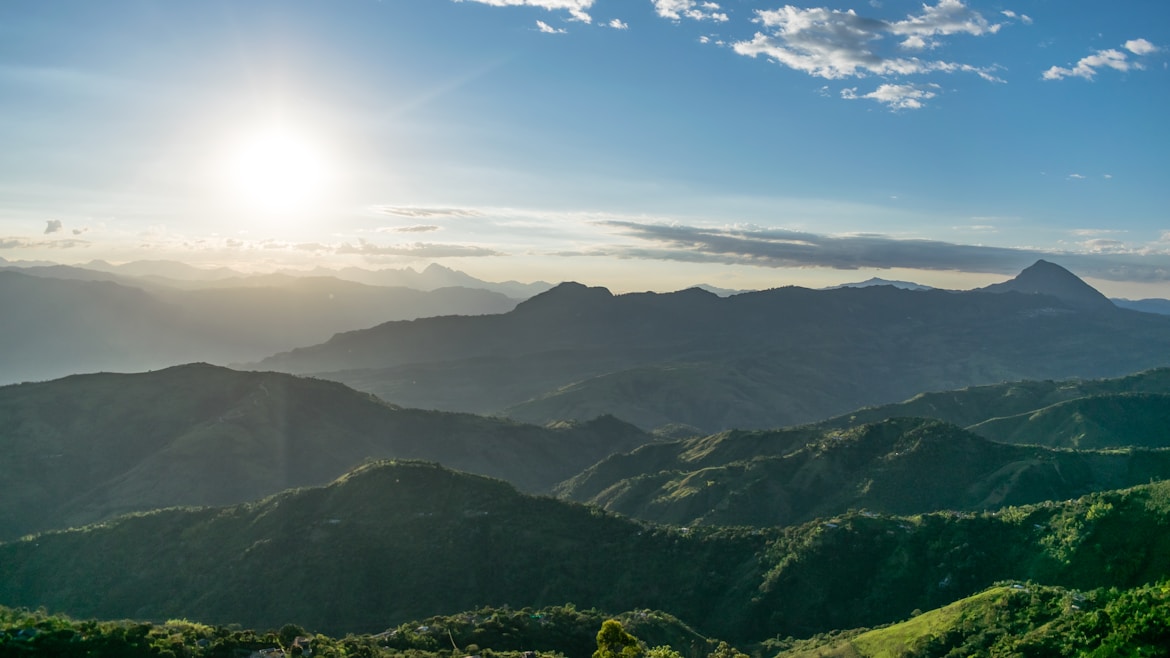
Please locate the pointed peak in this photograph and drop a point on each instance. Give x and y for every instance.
(1047, 278)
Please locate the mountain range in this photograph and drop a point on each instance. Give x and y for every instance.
(391, 542)
(70, 320)
(753, 360)
(88, 447)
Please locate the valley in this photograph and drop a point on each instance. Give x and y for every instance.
(268, 499)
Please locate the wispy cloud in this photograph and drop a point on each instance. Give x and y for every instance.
(1088, 67)
(1099, 257)
(693, 9)
(835, 44)
(897, 97)
(416, 228)
(426, 212)
(617, 24)
(416, 250)
(52, 226)
(578, 9)
(548, 29)
(25, 243)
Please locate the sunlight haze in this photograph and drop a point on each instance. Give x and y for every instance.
(640, 145)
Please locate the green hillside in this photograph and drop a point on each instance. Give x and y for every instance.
(87, 447)
(1018, 619)
(898, 466)
(1095, 421)
(1019, 400)
(393, 542)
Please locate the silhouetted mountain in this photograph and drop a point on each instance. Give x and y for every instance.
(875, 281)
(902, 466)
(394, 542)
(1045, 278)
(762, 359)
(87, 447)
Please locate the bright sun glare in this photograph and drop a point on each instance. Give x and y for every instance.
(277, 170)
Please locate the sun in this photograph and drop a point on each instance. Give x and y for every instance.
(277, 171)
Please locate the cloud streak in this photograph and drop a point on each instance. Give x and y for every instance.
(416, 250)
(781, 248)
(1088, 67)
(578, 9)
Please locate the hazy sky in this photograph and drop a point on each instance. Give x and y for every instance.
(631, 143)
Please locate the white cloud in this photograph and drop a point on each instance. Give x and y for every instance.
(52, 226)
(692, 9)
(416, 228)
(548, 29)
(1023, 18)
(1076, 176)
(1140, 47)
(946, 18)
(617, 24)
(416, 211)
(416, 250)
(896, 97)
(1111, 58)
(578, 9)
(834, 44)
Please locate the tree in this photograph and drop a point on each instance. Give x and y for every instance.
(725, 650)
(614, 642)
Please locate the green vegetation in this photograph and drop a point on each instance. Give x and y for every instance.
(398, 541)
(1017, 619)
(1075, 413)
(86, 448)
(488, 632)
(898, 466)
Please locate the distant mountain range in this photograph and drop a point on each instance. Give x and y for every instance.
(68, 320)
(88, 447)
(754, 360)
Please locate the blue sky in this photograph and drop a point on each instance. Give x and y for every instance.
(638, 144)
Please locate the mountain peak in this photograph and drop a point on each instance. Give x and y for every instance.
(1046, 278)
(568, 295)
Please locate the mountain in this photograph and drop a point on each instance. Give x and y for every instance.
(899, 466)
(1159, 306)
(1070, 413)
(875, 281)
(392, 542)
(1045, 278)
(85, 448)
(754, 360)
(70, 320)
(432, 277)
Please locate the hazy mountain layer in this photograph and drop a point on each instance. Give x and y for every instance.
(902, 466)
(393, 542)
(72, 321)
(84, 448)
(762, 359)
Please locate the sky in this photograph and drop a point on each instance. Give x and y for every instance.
(635, 144)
